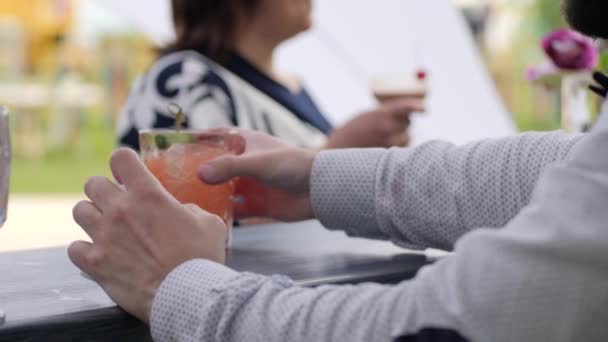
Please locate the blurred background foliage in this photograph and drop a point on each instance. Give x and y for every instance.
(546, 14)
(63, 135)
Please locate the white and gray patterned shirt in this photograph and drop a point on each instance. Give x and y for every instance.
(543, 277)
(213, 96)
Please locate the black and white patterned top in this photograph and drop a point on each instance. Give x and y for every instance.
(213, 96)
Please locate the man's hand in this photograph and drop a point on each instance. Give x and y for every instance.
(386, 126)
(275, 176)
(140, 234)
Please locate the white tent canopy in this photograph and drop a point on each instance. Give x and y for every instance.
(355, 40)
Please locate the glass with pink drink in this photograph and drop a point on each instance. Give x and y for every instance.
(175, 157)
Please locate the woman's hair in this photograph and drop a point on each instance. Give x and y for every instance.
(209, 24)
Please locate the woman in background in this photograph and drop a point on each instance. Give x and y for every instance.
(220, 70)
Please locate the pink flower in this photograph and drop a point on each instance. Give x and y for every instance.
(570, 50)
(541, 71)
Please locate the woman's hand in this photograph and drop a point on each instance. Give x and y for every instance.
(140, 234)
(384, 127)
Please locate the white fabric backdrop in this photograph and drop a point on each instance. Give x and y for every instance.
(354, 40)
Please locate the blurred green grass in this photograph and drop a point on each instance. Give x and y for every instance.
(65, 169)
(54, 176)
(530, 122)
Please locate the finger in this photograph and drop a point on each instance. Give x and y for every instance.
(252, 140)
(599, 90)
(79, 252)
(401, 123)
(404, 140)
(101, 192)
(129, 169)
(87, 216)
(399, 141)
(225, 168)
(195, 209)
(601, 78)
(220, 130)
(229, 139)
(403, 107)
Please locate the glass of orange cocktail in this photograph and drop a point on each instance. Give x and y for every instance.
(175, 157)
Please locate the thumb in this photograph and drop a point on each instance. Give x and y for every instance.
(403, 106)
(225, 168)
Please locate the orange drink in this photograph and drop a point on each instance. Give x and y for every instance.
(174, 158)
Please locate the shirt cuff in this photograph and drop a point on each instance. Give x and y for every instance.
(175, 303)
(343, 190)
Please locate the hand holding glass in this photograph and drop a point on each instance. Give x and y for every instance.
(175, 157)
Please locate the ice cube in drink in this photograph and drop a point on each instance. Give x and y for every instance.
(174, 159)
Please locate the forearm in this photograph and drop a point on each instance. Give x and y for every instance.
(195, 304)
(429, 196)
(540, 278)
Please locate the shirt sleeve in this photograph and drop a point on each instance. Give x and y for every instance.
(429, 196)
(541, 278)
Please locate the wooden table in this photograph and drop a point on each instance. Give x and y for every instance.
(46, 299)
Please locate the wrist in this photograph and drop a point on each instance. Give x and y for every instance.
(335, 140)
(148, 294)
(297, 172)
(303, 188)
(311, 156)
(173, 304)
